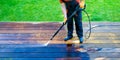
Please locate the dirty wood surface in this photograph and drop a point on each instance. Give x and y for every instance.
(22, 41)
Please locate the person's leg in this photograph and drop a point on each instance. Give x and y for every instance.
(78, 24)
(70, 28)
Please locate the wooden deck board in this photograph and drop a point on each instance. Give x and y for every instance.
(22, 41)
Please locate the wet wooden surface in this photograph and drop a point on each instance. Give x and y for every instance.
(22, 41)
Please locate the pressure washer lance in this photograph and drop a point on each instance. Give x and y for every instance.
(77, 8)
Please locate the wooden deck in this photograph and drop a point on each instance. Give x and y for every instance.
(22, 41)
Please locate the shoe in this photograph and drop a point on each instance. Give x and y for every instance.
(68, 38)
(81, 40)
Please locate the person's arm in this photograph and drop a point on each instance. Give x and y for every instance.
(64, 11)
(82, 3)
(63, 6)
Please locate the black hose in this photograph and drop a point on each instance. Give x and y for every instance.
(89, 25)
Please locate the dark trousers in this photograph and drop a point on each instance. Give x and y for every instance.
(77, 18)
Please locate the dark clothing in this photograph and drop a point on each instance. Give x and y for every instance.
(71, 7)
(78, 24)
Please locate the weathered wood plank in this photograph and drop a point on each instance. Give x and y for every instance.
(25, 40)
(58, 55)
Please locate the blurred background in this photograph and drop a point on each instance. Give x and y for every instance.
(50, 11)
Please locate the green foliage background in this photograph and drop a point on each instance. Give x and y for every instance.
(50, 10)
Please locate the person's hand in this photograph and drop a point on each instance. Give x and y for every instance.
(82, 4)
(64, 21)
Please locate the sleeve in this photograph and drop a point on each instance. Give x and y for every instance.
(61, 1)
(78, 1)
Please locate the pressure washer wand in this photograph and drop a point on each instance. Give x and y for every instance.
(57, 31)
